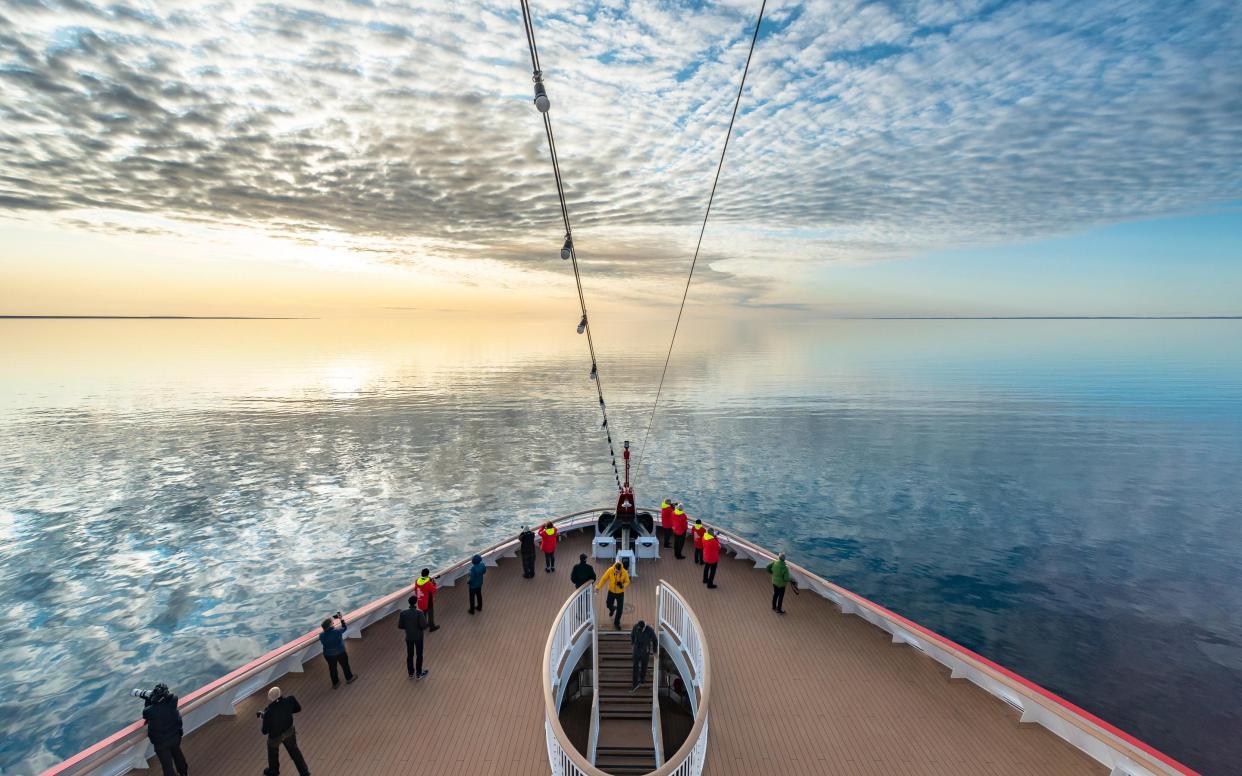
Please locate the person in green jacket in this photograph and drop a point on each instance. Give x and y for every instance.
(780, 578)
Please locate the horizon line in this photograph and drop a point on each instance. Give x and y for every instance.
(1042, 318)
(160, 317)
(836, 318)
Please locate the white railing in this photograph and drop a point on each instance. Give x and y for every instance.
(566, 643)
(571, 635)
(1115, 749)
(593, 743)
(681, 636)
(128, 748)
(657, 726)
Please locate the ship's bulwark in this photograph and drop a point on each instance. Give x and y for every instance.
(813, 692)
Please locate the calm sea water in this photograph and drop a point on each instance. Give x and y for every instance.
(178, 497)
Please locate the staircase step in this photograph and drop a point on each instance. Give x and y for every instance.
(626, 770)
(624, 714)
(626, 759)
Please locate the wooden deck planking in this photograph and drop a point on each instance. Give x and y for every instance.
(813, 692)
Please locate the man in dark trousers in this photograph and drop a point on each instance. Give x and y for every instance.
(666, 521)
(679, 531)
(711, 557)
(477, 569)
(278, 727)
(526, 545)
(425, 589)
(780, 579)
(582, 573)
(643, 640)
(617, 579)
(159, 711)
(548, 540)
(333, 640)
(697, 530)
(414, 623)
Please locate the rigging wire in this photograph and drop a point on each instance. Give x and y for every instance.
(711, 197)
(542, 103)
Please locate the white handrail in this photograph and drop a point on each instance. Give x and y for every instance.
(559, 657)
(681, 636)
(593, 744)
(657, 727)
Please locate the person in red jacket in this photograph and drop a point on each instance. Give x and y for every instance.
(666, 520)
(547, 543)
(697, 531)
(679, 532)
(425, 590)
(711, 556)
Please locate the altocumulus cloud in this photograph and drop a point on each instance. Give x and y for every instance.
(869, 130)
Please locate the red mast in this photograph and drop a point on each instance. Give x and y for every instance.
(625, 499)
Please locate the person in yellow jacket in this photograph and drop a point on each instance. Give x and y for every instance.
(617, 579)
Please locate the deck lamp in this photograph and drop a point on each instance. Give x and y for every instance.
(567, 249)
(541, 93)
(582, 328)
(594, 372)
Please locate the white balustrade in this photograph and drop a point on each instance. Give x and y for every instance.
(681, 636)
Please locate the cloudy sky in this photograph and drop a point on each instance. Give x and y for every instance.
(937, 157)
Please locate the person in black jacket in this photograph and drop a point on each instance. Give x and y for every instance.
(278, 727)
(526, 543)
(582, 573)
(414, 623)
(163, 722)
(643, 640)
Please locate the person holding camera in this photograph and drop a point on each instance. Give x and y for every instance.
(425, 590)
(526, 548)
(333, 640)
(163, 721)
(278, 727)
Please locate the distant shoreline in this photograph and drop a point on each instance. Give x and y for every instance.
(153, 318)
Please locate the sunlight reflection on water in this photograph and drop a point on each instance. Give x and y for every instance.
(180, 497)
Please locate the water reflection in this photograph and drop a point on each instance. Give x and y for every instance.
(1060, 496)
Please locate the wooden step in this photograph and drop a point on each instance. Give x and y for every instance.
(625, 770)
(624, 699)
(626, 750)
(625, 760)
(626, 713)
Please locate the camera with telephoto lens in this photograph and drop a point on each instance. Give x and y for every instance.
(152, 696)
